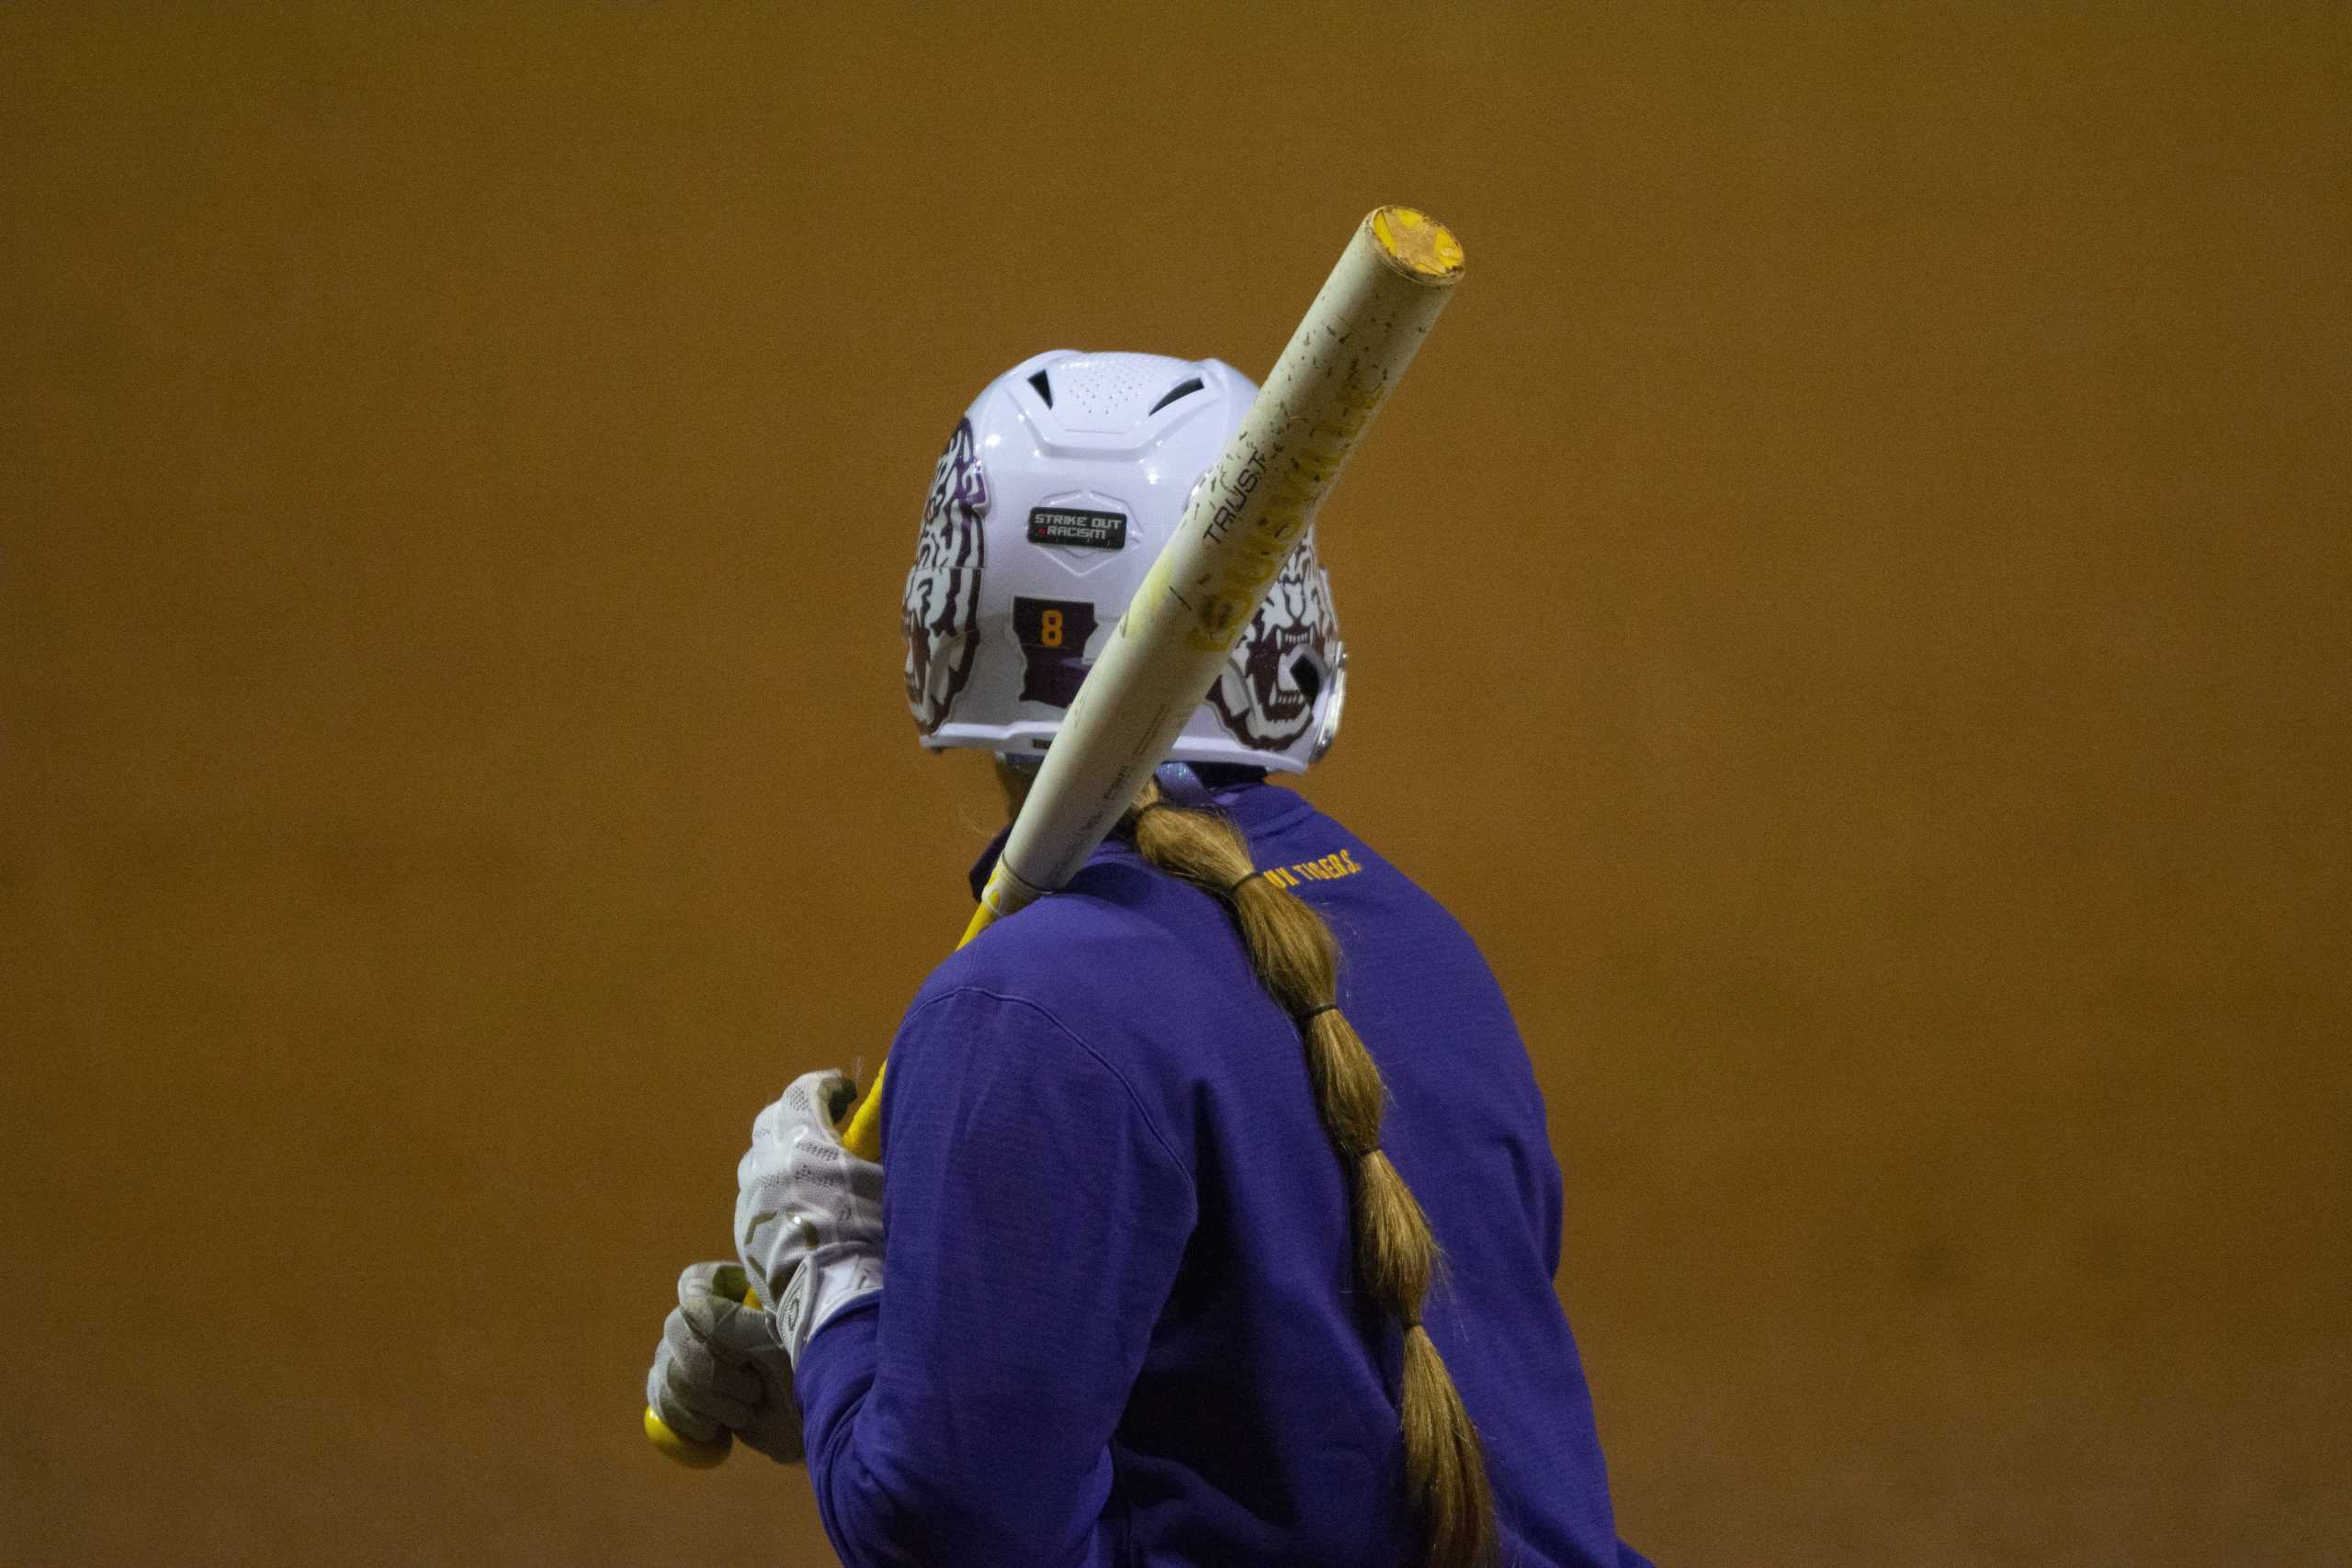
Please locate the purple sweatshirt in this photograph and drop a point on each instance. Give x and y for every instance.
(1120, 1323)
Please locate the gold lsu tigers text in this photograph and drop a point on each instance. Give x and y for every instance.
(1330, 868)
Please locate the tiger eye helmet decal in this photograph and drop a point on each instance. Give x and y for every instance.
(1267, 692)
(939, 617)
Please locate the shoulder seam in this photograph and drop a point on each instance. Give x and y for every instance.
(1142, 1113)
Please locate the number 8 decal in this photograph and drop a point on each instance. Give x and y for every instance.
(1053, 633)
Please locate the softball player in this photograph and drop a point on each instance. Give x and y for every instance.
(1174, 1155)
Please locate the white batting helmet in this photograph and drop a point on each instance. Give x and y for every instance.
(1061, 485)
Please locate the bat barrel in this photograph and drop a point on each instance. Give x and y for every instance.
(1341, 365)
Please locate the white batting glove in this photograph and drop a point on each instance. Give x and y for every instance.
(807, 1212)
(720, 1367)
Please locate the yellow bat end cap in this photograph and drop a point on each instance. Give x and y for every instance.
(694, 1456)
(1417, 243)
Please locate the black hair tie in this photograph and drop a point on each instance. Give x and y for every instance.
(1313, 1013)
(1240, 882)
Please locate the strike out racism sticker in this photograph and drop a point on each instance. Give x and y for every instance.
(1073, 526)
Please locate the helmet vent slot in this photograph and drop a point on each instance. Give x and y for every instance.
(1044, 388)
(1181, 390)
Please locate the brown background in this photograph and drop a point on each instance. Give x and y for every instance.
(1850, 608)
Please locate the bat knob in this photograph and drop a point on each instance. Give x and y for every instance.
(684, 1450)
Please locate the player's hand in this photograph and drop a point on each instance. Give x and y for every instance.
(721, 1367)
(807, 1212)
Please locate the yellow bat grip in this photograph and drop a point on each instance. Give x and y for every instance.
(862, 1137)
(684, 1449)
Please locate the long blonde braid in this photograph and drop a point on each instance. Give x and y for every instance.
(1297, 960)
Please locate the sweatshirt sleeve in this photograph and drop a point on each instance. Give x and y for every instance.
(1033, 1221)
